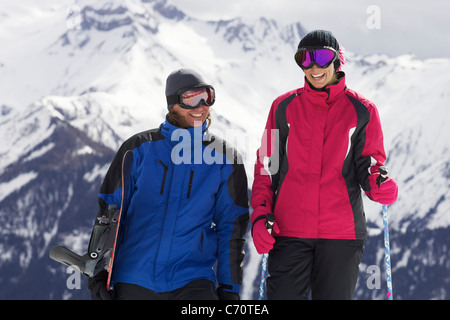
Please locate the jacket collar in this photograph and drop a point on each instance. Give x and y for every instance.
(328, 93)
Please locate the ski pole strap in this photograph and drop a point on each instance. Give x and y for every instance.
(270, 219)
(263, 216)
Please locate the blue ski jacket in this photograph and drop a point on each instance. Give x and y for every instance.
(187, 209)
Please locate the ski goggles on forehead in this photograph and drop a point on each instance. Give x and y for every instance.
(322, 57)
(191, 98)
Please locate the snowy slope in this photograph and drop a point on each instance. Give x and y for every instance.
(94, 72)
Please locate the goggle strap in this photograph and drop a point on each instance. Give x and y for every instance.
(173, 99)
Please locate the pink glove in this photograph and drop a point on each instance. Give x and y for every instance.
(386, 193)
(262, 239)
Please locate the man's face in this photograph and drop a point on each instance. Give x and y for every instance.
(192, 117)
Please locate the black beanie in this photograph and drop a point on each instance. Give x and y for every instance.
(181, 79)
(317, 39)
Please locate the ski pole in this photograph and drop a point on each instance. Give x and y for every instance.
(387, 253)
(269, 226)
(383, 176)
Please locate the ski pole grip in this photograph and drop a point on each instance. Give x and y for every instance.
(270, 219)
(383, 175)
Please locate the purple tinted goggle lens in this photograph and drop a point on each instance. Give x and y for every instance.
(322, 57)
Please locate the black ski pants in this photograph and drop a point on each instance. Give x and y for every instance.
(326, 268)
(195, 290)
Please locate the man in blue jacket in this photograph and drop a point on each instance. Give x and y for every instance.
(187, 206)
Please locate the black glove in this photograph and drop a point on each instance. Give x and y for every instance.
(227, 295)
(97, 285)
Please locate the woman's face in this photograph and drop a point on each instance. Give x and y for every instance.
(320, 77)
(192, 117)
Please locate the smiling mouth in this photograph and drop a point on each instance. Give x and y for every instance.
(318, 76)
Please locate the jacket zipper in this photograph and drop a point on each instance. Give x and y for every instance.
(164, 176)
(190, 184)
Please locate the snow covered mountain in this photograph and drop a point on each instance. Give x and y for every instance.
(78, 79)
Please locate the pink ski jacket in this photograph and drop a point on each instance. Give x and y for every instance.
(316, 154)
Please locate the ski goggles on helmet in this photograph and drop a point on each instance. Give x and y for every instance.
(322, 57)
(191, 98)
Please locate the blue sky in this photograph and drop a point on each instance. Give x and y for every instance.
(393, 27)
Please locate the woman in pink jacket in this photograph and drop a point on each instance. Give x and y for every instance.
(322, 144)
